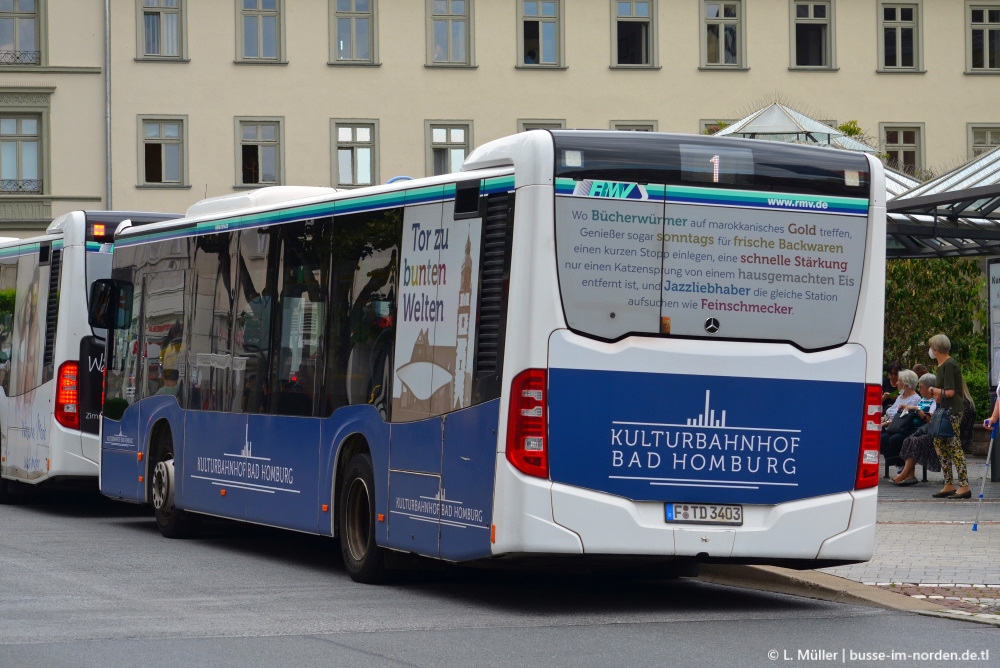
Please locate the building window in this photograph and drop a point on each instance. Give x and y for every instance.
(812, 34)
(984, 38)
(356, 144)
(983, 139)
(448, 145)
(259, 152)
(19, 154)
(903, 148)
(633, 35)
(162, 24)
(634, 126)
(900, 37)
(354, 31)
(19, 32)
(162, 156)
(540, 38)
(260, 30)
(710, 127)
(450, 37)
(540, 124)
(722, 34)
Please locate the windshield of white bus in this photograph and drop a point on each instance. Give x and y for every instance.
(701, 237)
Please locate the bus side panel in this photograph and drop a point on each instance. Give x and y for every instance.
(120, 466)
(414, 512)
(364, 420)
(467, 481)
(283, 474)
(216, 471)
(28, 431)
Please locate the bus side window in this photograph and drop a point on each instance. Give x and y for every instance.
(363, 301)
(209, 354)
(303, 283)
(254, 297)
(8, 295)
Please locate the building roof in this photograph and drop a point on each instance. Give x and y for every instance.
(780, 123)
(954, 215)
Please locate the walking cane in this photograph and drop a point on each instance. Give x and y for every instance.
(989, 453)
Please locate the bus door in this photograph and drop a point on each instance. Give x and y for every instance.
(285, 476)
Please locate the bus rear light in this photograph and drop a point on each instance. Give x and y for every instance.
(870, 438)
(526, 424)
(67, 396)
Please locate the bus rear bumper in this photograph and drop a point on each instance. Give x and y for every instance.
(837, 527)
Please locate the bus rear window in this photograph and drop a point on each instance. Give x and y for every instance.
(699, 261)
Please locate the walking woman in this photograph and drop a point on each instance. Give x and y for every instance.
(948, 393)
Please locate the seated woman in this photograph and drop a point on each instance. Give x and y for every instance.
(892, 442)
(918, 447)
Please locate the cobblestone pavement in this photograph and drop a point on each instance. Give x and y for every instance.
(925, 547)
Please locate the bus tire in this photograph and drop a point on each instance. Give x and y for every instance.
(171, 521)
(6, 492)
(363, 559)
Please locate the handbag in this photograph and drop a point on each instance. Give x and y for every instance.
(940, 426)
(904, 422)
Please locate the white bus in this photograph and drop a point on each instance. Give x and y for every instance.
(607, 345)
(51, 361)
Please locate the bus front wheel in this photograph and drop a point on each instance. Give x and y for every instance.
(172, 521)
(363, 559)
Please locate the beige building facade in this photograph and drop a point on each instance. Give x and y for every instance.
(215, 96)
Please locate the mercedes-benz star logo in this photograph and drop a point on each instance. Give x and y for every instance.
(711, 325)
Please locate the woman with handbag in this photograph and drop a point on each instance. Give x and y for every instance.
(918, 447)
(900, 423)
(949, 395)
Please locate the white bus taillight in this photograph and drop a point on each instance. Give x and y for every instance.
(870, 438)
(526, 424)
(68, 396)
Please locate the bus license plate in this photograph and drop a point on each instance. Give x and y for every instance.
(704, 513)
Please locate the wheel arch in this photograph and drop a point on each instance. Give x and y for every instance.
(159, 441)
(351, 445)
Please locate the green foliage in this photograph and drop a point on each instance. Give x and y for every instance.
(715, 127)
(978, 381)
(7, 300)
(926, 296)
(851, 129)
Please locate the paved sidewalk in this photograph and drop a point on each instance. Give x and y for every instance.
(926, 547)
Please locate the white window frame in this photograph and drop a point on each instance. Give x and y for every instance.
(972, 128)
(918, 35)
(431, 125)
(987, 6)
(560, 34)
(525, 124)
(651, 33)
(279, 121)
(883, 128)
(353, 15)
(470, 31)
(279, 13)
(335, 125)
(831, 33)
(638, 126)
(140, 30)
(741, 42)
(16, 61)
(19, 140)
(181, 141)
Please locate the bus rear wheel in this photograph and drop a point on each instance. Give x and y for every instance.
(172, 521)
(363, 559)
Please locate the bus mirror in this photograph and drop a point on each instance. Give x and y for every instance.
(110, 304)
(102, 294)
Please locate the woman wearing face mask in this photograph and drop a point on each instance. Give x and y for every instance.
(948, 392)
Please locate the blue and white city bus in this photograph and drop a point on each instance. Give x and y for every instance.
(51, 361)
(584, 343)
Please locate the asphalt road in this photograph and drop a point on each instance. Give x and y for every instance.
(88, 582)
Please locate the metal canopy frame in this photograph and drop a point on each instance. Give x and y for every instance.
(961, 223)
